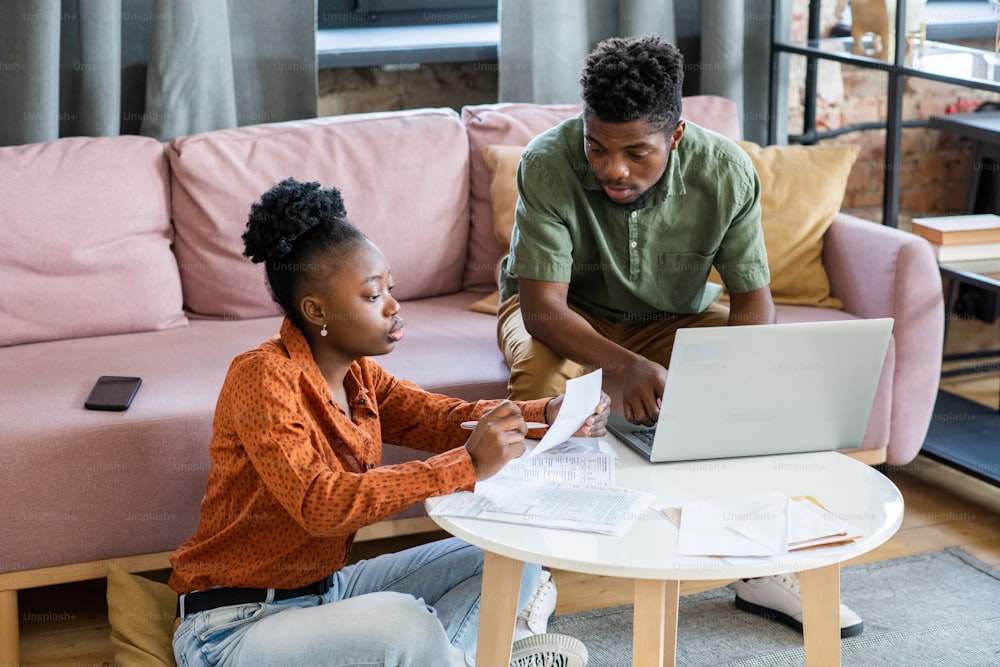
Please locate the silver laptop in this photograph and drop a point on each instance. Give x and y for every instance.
(764, 389)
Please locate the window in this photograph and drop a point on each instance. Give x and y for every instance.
(949, 20)
(340, 14)
(403, 33)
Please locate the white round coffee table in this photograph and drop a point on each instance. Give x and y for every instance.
(850, 489)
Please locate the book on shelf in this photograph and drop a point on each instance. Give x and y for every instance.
(959, 229)
(966, 251)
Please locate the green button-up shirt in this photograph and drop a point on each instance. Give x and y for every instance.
(627, 264)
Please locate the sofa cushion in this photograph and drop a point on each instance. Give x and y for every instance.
(802, 188)
(417, 158)
(141, 616)
(492, 124)
(87, 240)
(515, 125)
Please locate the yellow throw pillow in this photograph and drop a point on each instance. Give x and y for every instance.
(502, 162)
(802, 188)
(141, 614)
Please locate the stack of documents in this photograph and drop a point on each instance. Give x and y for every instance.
(761, 524)
(560, 482)
(601, 509)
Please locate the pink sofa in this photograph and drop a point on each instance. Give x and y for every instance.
(122, 256)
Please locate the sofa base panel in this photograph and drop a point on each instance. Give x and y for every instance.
(12, 582)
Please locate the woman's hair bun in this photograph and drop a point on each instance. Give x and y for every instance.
(286, 212)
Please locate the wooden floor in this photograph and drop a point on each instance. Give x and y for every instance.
(66, 626)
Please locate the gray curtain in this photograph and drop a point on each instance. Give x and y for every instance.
(726, 44)
(162, 68)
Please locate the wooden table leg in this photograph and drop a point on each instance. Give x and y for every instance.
(9, 630)
(654, 622)
(498, 609)
(821, 614)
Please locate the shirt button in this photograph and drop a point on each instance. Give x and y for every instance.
(635, 214)
(634, 244)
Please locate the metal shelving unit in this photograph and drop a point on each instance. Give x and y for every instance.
(984, 74)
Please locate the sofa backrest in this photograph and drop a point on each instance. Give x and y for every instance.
(514, 124)
(86, 248)
(418, 216)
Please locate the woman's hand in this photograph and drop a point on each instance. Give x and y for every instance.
(498, 438)
(596, 424)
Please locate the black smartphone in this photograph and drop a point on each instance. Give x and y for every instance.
(112, 392)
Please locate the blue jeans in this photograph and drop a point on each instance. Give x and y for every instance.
(416, 607)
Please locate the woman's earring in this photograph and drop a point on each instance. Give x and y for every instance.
(323, 332)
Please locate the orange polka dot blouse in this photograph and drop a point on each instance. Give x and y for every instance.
(293, 478)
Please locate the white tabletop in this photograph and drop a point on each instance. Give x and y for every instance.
(851, 490)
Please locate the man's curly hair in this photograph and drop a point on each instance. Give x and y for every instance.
(634, 78)
(298, 230)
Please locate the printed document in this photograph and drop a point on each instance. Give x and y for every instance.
(570, 486)
(601, 509)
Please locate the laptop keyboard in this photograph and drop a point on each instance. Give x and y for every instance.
(645, 436)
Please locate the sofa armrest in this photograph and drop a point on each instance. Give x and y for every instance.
(880, 271)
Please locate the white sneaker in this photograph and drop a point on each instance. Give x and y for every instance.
(778, 597)
(549, 650)
(534, 618)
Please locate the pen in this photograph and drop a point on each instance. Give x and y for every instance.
(471, 426)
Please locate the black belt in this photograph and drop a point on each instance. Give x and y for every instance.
(191, 603)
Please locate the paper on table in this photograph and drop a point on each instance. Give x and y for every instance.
(592, 468)
(810, 524)
(745, 525)
(582, 396)
(600, 509)
(765, 524)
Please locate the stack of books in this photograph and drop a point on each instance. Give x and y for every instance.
(957, 238)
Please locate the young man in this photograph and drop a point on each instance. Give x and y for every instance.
(622, 212)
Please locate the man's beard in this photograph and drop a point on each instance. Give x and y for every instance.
(639, 201)
(634, 205)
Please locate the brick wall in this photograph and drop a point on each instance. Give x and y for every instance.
(364, 89)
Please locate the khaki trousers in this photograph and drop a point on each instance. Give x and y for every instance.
(536, 371)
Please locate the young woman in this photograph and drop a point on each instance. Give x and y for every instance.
(296, 453)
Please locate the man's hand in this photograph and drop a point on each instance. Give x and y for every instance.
(498, 438)
(640, 385)
(595, 425)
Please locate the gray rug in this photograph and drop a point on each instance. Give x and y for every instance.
(940, 608)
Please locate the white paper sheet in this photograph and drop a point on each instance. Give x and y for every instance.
(810, 524)
(582, 396)
(590, 468)
(745, 525)
(756, 525)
